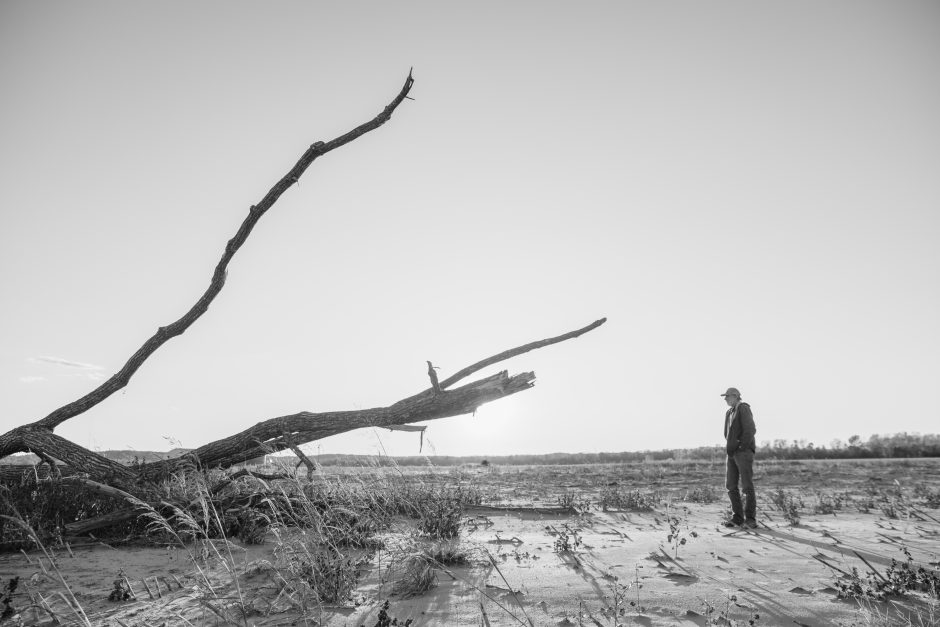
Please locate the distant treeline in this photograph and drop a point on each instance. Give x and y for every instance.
(896, 445)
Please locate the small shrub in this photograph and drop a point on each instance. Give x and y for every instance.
(120, 591)
(331, 575)
(715, 615)
(679, 534)
(855, 587)
(440, 514)
(929, 498)
(637, 586)
(568, 540)
(415, 568)
(906, 576)
(702, 494)
(889, 509)
(864, 505)
(899, 579)
(827, 504)
(569, 500)
(613, 497)
(447, 554)
(890, 501)
(619, 593)
(566, 499)
(385, 620)
(418, 578)
(788, 504)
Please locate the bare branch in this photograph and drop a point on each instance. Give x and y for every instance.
(163, 334)
(435, 385)
(101, 488)
(301, 456)
(512, 352)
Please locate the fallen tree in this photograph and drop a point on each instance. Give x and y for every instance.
(94, 471)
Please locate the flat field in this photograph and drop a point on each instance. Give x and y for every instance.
(612, 544)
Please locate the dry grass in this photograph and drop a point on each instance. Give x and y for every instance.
(324, 532)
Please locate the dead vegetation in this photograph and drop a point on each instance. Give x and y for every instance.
(350, 539)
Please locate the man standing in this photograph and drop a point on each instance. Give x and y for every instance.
(740, 446)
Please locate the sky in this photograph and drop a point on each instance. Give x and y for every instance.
(749, 192)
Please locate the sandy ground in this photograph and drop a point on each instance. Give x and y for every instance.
(619, 569)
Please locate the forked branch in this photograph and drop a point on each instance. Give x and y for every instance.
(519, 350)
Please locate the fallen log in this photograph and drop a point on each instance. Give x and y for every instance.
(441, 400)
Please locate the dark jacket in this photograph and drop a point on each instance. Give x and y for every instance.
(740, 432)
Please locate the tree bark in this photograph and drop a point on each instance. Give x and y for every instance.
(81, 527)
(302, 459)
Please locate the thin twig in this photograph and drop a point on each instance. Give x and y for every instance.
(147, 588)
(519, 350)
(511, 591)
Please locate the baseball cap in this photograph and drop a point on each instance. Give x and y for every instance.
(732, 391)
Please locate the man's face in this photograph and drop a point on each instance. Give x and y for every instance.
(731, 399)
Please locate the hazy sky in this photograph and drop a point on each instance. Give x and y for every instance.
(750, 192)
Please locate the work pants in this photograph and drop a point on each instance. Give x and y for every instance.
(741, 469)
